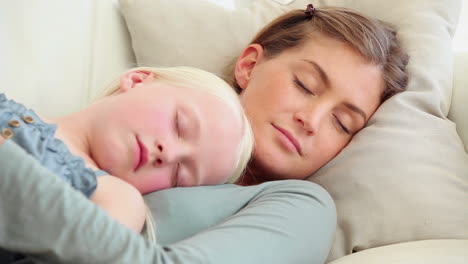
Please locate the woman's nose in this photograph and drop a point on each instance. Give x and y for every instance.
(309, 119)
(304, 123)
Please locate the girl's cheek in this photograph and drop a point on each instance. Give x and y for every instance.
(154, 182)
(160, 124)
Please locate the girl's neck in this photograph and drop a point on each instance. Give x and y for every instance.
(73, 131)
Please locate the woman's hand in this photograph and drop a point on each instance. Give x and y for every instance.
(1, 139)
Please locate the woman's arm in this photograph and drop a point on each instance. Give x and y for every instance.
(277, 222)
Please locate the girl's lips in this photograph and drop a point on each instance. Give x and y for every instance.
(291, 138)
(141, 156)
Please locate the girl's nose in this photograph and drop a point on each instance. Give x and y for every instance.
(160, 161)
(160, 158)
(169, 153)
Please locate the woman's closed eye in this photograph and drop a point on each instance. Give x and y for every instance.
(340, 125)
(300, 85)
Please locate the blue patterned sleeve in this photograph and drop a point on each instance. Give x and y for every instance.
(38, 139)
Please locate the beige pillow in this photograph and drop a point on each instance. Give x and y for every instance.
(405, 176)
(459, 108)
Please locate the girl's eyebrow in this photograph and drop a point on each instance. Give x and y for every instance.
(194, 125)
(193, 119)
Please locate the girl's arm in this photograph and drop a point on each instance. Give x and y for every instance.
(277, 222)
(121, 201)
(43, 216)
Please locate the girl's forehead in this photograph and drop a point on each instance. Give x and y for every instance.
(220, 136)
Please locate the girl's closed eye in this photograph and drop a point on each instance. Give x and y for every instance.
(182, 124)
(299, 84)
(176, 174)
(177, 123)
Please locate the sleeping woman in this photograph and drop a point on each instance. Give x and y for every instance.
(309, 81)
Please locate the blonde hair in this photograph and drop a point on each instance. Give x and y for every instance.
(192, 78)
(374, 39)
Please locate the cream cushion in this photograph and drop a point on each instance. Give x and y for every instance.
(459, 108)
(453, 251)
(402, 178)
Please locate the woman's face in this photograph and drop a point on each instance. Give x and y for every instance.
(305, 104)
(157, 136)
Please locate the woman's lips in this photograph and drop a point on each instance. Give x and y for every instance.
(141, 156)
(290, 137)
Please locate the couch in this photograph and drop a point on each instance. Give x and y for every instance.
(70, 50)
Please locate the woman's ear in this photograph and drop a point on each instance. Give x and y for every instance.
(131, 78)
(245, 64)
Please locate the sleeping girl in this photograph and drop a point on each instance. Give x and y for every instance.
(156, 128)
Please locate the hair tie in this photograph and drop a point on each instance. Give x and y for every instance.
(310, 11)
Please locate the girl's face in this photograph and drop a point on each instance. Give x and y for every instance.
(157, 136)
(305, 104)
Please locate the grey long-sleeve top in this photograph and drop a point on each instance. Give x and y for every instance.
(276, 222)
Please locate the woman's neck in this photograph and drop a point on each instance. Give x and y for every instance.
(252, 176)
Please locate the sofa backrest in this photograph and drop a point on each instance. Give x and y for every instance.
(70, 50)
(61, 50)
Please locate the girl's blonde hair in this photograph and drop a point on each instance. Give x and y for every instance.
(201, 80)
(374, 39)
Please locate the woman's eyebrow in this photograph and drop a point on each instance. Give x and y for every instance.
(356, 109)
(323, 75)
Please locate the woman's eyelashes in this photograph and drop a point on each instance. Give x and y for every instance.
(341, 126)
(302, 86)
